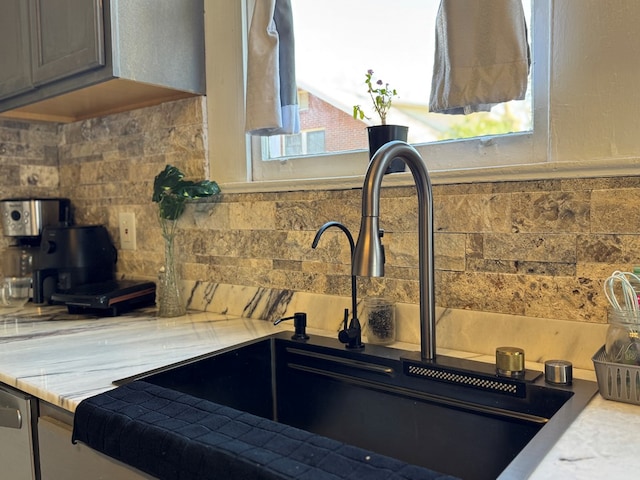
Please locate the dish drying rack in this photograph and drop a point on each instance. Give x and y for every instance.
(617, 381)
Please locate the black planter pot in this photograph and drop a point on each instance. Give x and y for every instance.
(381, 134)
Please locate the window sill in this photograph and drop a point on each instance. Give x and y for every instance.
(538, 171)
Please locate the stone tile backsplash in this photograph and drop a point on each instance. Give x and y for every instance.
(530, 248)
(28, 161)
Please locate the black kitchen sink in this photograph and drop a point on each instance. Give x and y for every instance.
(453, 416)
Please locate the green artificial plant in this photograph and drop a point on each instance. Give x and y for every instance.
(171, 192)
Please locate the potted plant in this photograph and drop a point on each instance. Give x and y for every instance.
(382, 97)
(171, 192)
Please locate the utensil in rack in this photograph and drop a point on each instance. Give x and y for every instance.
(621, 281)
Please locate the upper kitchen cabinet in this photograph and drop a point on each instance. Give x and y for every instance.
(67, 60)
(15, 61)
(66, 38)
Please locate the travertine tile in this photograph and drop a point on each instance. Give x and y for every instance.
(252, 216)
(450, 249)
(29, 159)
(489, 292)
(546, 268)
(602, 248)
(550, 211)
(564, 297)
(526, 186)
(472, 213)
(530, 247)
(615, 211)
(401, 249)
(536, 248)
(39, 176)
(474, 264)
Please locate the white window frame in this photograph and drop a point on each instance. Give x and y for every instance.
(514, 156)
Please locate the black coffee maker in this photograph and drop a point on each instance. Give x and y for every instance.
(76, 267)
(70, 257)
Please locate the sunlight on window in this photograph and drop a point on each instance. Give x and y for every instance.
(338, 41)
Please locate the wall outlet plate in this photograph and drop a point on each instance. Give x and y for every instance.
(127, 224)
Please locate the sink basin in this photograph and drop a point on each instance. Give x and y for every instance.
(453, 416)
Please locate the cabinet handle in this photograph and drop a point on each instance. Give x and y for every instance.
(10, 417)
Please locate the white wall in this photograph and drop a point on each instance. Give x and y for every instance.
(595, 79)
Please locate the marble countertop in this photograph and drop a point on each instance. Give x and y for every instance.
(62, 359)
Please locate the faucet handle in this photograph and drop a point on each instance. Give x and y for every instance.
(383, 255)
(299, 323)
(351, 335)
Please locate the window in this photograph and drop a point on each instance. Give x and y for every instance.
(309, 142)
(299, 158)
(331, 65)
(315, 142)
(303, 100)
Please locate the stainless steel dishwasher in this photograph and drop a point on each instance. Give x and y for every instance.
(18, 444)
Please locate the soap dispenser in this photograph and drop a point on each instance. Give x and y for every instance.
(299, 324)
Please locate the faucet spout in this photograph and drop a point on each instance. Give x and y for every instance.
(352, 333)
(368, 257)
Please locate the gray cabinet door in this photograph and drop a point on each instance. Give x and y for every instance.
(60, 459)
(15, 52)
(17, 458)
(67, 38)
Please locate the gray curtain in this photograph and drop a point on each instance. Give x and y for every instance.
(482, 55)
(272, 96)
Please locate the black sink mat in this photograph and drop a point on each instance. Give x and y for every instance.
(171, 435)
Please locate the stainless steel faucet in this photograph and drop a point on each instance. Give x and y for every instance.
(368, 257)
